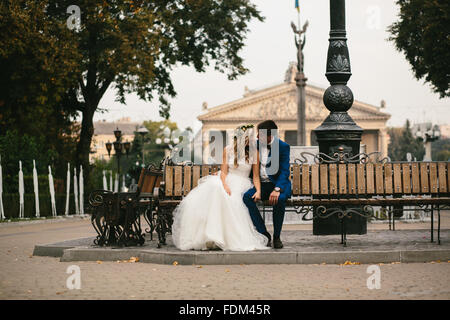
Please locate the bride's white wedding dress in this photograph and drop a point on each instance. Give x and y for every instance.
(208, 217)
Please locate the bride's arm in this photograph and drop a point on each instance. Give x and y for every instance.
(256, 179)
(224, 171)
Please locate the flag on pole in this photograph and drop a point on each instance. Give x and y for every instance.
(297, 6)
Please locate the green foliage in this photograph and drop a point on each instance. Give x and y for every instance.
(440, 150)
(402, 142)
(422, 34)
(37, 59)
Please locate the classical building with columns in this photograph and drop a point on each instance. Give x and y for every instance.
(279, 103)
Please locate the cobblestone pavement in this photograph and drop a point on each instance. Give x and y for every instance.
(23, 276)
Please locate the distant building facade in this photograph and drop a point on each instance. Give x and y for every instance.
(279, 103)
(104, 132)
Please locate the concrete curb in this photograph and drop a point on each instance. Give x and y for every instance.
(162, 256)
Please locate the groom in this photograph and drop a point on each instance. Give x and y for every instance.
(275, 183)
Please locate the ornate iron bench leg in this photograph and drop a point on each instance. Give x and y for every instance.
(432, 223)
(390, 213)
(343, 232)
(161, 227)
(393, 220)
(439, 223)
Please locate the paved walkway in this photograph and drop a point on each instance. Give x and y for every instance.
(23, 276)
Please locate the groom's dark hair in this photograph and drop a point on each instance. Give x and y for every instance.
(267, 125)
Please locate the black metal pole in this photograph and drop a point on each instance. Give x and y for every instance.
(338, 132)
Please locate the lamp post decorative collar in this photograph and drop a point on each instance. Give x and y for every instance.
(338, 130)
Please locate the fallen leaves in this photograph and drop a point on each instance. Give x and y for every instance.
(131, 260)
(99, 262)
(175, 263)
(350, 263)
(199, 267)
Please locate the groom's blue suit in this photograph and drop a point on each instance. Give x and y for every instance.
(279, 179)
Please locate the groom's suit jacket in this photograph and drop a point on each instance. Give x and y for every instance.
(281, 177)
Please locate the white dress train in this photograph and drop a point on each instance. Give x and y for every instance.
(209, 217)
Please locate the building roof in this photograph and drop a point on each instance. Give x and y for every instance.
(279, 101)
(107, 128)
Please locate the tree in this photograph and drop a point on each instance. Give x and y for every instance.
(38, 63)
(422, 35)
(402, 142)
(133, 46)
(440, 150)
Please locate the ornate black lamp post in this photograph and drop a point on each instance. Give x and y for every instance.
(119, 146)
(338, 132)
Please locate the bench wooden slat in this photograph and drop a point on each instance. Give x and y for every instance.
(397, 178)
(369, 179)
(406, 178)
(169, 180)
(342, 178)
(361, 178)
(323, 179)
(415, 178)
(315, 179)
(305, 180)
(148, 183)
(158, 182)
(205, 170)
(448, 176)
(187, 180)
(379, 179)
(141, 178)
(424, 183)
(195, 175)
(351, 178)
(388, 178)
(296, 179)
(442, 177)
(178, 173)
(333, 179)
(433, 178)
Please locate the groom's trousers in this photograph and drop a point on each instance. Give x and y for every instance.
(278, 209)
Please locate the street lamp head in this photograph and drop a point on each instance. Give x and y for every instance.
(166, 140)
(127, 146)
(117, 134)
(158, 141)
(142, 130)
(108, 147)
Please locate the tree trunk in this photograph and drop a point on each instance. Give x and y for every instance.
(84, 144)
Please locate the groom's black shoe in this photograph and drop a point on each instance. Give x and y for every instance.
(269, 238)
(277, 244)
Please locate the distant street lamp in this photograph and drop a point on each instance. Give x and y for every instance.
(427, 133)
(119, 146)
(142, 132)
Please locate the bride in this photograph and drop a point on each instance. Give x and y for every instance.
(213, 215)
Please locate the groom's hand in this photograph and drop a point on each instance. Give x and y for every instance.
(273, 198)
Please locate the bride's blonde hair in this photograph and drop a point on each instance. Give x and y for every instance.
(240, 133)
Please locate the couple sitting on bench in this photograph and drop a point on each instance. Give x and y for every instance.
(221, 211)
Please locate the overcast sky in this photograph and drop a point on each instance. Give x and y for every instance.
(379, 71)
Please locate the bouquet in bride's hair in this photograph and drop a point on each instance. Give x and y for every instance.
(241, 130)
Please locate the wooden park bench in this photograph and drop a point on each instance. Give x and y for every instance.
(338, 185)
(116, 215)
